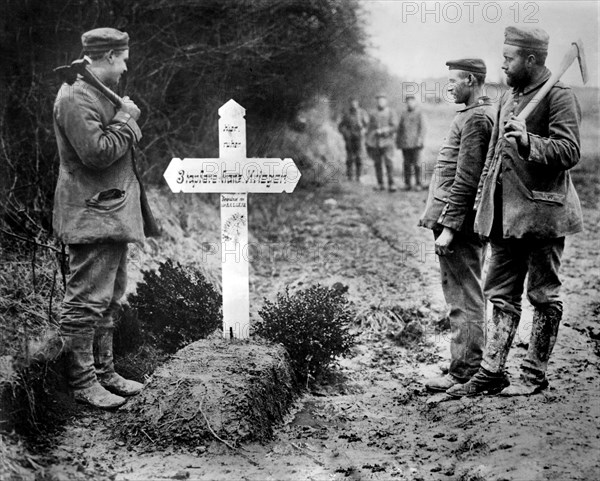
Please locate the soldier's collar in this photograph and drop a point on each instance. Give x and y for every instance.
(483, 100)
(536, 84)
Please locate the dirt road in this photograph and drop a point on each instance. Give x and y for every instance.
(373, 419)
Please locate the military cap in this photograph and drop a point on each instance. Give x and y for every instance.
(473, 65)
(527, 37)
(380, 94)
(104, 39)
(409, 96)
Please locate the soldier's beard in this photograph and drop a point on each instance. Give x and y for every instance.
(518, 79)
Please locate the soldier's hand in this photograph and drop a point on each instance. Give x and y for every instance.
(517, 129)
(129, 107)
(442, 243)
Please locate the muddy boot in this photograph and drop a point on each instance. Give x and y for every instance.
(483, 382)
(82, 375)
(442, 383)
(105, 368)
(542, 340)
(504, 328)
(524, 386)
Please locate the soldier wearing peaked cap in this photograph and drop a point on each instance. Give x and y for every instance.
(449, 213)
(526, 205)
(97, 211)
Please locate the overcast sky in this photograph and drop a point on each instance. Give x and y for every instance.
(415, 38)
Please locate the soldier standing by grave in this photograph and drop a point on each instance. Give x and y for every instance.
(410, 137)
(97, 212)
(380, 141)
(449, 213)
(353, 128)
(526, 205)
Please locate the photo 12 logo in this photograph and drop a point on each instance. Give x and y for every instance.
(453, 12)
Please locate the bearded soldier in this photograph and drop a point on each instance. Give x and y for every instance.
(527, 205)
(97, 212)
(449, 213)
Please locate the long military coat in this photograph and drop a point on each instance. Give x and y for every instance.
(453, 185)
(538, 196)
(97, 197)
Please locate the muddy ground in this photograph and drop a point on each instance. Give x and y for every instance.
(373, 419)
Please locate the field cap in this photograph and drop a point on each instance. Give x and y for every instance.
(473, 65)
(527, 37)
(104, 39)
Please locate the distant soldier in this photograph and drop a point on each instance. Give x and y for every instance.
(526, 205)
(353, 128)
(449, 213)
(97, 211)
(409, 139)
(380, 141)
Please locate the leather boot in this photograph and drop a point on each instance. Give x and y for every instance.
(504, 328)
(105, 368)
(483, 382)
(543, 337)
(442, 383)
(82, 376)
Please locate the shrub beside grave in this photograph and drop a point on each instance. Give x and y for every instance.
(313, 324)
(176, 306)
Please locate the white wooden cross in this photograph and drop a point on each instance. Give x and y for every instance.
(234, 176)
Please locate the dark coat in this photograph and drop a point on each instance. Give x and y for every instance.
(411, 130)
(459, 164)
(354, 124)
(382, 128)
(97, 197)
(538, 196)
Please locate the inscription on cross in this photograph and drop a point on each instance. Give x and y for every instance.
(233, 175)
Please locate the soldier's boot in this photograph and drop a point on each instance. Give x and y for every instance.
(442, 383)
(490, 379)
(504, 327)
(483, 382)
(105, 368)
(541, 343)
(418, 185)
(82, 375)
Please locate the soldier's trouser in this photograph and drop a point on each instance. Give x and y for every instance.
(384, 155)
(512, 260)
(412, 163)
(354, 151)
(95, 285)
(461, 283)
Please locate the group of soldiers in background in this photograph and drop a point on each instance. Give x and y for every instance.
(378, 135)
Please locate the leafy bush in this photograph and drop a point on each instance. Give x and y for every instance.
(313, 325)
(176, 306)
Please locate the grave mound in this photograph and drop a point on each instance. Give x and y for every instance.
(235, 390)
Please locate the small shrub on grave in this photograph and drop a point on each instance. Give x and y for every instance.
(176, 306)
(313, 325)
